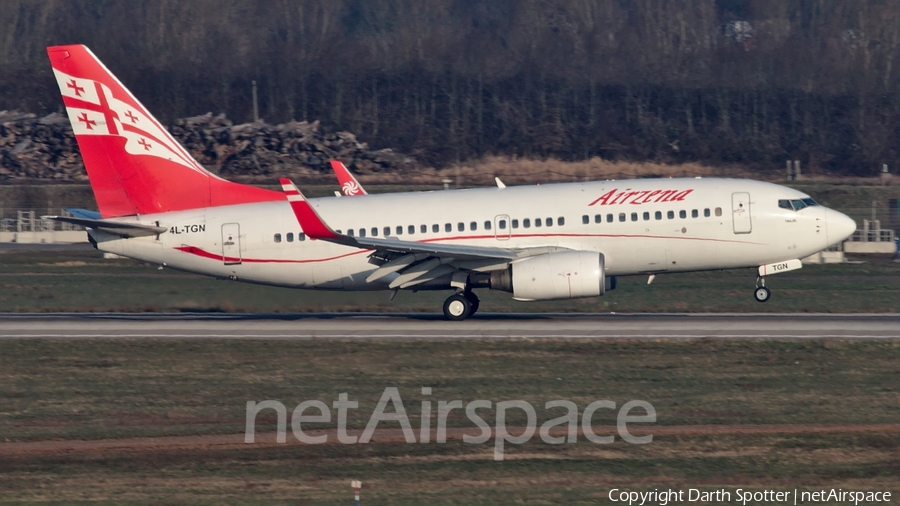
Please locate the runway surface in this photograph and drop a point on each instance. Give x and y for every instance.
(430, 326)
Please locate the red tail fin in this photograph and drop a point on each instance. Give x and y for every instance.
(134, 164)
(349, 185)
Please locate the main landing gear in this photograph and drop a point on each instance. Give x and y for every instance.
(761, 294)
(460, 306)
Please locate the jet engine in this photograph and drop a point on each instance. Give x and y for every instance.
(559, 275)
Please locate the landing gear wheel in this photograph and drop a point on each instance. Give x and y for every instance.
(762, 294)
(473, 300)
(457, 307)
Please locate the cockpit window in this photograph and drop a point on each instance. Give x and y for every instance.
(796, 204)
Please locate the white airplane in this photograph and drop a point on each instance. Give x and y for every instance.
(554, 241)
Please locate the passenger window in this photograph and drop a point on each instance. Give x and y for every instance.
(473, 225)
(502, 224)
(526, 223)
(585, 219)
(515, 223)
(350, 232)
(277, 237)
(682, 214)
(718, 211)
(695, 213)
(538, 222)
(549, 222)
(399, 229)
(621, 216)
(461, 227)
(633, 216)
(598, 218)
(706, 212)
(290, 237)
(670, 215)
(374, 231)
(302, 237)
(609, 218)
(646, 216)
(487, 224)
(560, 221)
(435, 228)
(387, 231)
(411, 229)
(362, 232)
(448, 227)
(658, 215)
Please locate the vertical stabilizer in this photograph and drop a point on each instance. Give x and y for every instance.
(349, 185)
(134, 164)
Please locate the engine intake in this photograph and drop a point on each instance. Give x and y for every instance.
(560, 275)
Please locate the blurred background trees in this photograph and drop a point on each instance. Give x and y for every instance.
(753, 82)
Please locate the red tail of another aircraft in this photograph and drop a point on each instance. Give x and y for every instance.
(349, 185)
(134, 164)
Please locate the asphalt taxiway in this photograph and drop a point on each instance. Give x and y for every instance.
(430, 326)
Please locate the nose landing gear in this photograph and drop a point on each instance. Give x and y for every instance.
(761, 294)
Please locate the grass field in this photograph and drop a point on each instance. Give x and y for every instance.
(36, 281)
(746, 414)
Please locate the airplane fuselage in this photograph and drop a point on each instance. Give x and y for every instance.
(640, 226)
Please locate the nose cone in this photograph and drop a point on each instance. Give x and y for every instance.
(839, 227)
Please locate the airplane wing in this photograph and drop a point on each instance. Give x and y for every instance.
(349, 185)
(415, 262)
(122, 229)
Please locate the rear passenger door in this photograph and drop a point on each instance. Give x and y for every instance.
(231, 243)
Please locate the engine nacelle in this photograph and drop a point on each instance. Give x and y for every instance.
(560, 275)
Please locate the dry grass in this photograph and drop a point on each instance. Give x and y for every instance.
(514, 170)
(84, 403)
(522, 170)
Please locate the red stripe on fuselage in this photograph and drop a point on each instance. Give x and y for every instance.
(200, 252)
(206, 254)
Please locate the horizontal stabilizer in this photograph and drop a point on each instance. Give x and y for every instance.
(84, 213)
(123, 229)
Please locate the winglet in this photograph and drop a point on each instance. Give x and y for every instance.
(349, 185)
(309, 219)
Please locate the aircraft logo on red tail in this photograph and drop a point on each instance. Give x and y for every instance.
(351, 188)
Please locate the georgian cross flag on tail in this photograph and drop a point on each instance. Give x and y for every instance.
(135, 166)
(94, 110)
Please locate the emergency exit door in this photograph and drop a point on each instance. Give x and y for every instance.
(740, 212)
